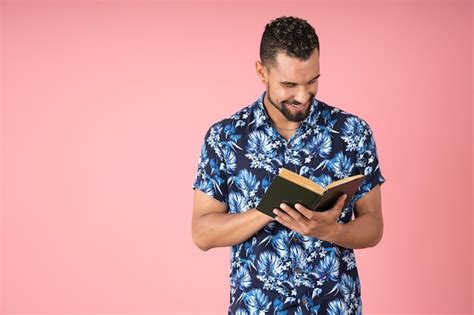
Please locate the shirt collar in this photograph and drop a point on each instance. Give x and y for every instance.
(261, 117)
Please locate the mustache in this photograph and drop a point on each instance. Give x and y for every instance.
(298, 103)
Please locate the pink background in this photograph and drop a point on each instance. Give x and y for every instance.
(104, 110)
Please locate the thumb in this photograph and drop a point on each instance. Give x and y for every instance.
(340, 203)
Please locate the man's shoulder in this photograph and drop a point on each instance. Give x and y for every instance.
(338, 117)
(240, 118)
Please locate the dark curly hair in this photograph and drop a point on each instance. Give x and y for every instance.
(289, 34)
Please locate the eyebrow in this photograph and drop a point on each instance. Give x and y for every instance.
(288, 82)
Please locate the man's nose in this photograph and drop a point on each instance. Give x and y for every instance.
(302, 96)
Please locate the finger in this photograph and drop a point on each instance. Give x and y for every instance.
(340, 203)
(307, 213)
(296, 215)
(286, 220)
(282, 216)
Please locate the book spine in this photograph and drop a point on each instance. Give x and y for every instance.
(315, 207)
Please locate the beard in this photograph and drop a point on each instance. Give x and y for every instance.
(284, 108)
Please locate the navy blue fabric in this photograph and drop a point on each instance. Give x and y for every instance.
(277, 270)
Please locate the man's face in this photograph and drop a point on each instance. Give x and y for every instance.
(292, 85)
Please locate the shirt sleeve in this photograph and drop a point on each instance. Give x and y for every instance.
(367, 162)
(211, 177)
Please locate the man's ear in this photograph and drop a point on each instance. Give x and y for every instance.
(261, 72)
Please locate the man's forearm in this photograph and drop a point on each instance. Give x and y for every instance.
(224, 229)
(362, 232)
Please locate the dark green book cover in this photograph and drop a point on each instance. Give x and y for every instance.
(291, 188)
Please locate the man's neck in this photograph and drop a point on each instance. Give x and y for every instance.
(281, 123)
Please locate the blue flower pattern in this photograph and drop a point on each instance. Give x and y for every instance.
(277, 270)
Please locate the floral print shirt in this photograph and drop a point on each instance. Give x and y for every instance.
(277, 270)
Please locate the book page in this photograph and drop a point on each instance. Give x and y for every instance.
(301, 180)
(343, 180)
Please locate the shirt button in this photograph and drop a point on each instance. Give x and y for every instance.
(289, 145)
(298, 270)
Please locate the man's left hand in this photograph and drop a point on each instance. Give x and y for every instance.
(322, 225)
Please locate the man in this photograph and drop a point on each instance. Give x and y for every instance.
(301, 262)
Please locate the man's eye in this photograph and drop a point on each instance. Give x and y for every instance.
(289, 85)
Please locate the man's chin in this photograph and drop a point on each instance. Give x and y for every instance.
(295, 117)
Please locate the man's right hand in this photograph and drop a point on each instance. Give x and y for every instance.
(213, 227)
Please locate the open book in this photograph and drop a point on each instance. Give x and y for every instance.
(291, 188)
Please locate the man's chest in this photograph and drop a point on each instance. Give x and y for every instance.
(259, 155)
